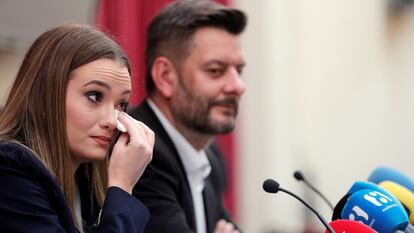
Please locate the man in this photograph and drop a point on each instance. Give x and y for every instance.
(194, 62)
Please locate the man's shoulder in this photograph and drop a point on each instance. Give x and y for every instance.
(146, 115)
(140, 111)
(165, 156)
(164, 147)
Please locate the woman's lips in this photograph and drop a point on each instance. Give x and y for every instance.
(102, 140)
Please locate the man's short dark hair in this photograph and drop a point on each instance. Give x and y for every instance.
(171, 30)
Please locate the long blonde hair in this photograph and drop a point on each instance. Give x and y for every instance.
(35, 113)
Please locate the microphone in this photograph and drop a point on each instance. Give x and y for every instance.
(409, 229)
(404, 195)
(386, 173)
(361, 185)
(299, 176)
(271, 186)
(349, 226)
(370, 204)
(357, 186)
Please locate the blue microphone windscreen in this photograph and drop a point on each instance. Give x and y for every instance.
(386, 173)
(358, 186)
(377, 210)
(361, 185)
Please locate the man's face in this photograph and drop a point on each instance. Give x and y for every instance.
(209, 84)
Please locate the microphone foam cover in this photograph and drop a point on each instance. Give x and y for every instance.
(349, 226)
(357, 186)
(298, 175)
(337, 212)
(404, 195)
(361, 185)
(377, 210)
(271, 186)
(409, 229)
(386, 173)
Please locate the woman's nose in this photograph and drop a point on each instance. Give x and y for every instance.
(110, 119)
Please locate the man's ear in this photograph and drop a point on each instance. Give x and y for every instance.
(164, 75)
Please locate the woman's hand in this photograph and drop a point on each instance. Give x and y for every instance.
(223, 226)
(131, 154)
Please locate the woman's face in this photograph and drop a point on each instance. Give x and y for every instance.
(94, 91)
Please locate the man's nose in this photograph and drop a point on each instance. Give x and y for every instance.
(235, 83)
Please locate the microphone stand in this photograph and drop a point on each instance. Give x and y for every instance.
(309, 207)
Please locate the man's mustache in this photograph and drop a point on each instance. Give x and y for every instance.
(232, 101)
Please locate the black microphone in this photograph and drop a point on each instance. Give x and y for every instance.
(271, 186)
(299, 176)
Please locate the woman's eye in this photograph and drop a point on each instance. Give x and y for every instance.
(94, 96)
(123, 105)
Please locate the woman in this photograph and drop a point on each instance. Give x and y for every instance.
(64, 166)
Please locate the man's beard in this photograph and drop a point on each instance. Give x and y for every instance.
(193, 112)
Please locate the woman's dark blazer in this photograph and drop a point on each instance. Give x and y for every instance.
(32, 201)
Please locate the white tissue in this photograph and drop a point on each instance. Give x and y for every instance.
(119, 125)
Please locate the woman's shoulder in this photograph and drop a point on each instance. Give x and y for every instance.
(20, 159)
(12, 146)
(15, 150)
(32, 198)
(17, 155)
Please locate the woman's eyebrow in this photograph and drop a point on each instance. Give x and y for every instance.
(104, 85)
(99, 83)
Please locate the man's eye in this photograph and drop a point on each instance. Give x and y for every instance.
(94, 96)
(215, 72)
(240, 70)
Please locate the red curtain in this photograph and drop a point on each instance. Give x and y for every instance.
(127, 21)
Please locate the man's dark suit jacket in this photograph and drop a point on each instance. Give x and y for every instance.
(165, 190)
(32, 201)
